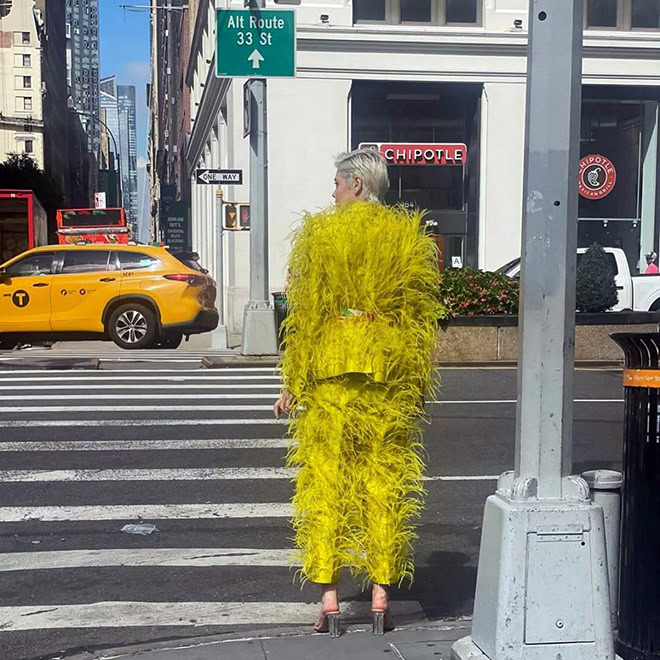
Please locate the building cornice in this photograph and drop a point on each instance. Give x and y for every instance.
(215, 91)
(462, 41)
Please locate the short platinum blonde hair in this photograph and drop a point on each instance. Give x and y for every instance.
(371, 167)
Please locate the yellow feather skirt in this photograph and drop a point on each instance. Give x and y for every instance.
(357, 446)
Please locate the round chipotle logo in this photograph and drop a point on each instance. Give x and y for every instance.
(596, 177)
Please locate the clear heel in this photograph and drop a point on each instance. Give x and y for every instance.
(333, 624)
(382, 622)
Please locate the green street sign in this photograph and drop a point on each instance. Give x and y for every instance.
(256, 43)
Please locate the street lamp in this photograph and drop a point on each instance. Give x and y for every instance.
(114, 142)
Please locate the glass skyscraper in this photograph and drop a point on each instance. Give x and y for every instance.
(128, 153)
(82, 31)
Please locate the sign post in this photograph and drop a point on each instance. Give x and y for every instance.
(542, 583)
(257, 43)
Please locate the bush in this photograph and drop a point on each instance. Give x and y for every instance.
(470, 292)
(595, 288)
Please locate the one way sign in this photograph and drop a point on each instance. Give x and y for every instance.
(217, 177)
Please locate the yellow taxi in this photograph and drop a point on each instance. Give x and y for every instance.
(137, 295)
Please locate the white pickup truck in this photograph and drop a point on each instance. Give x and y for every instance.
(640, 293)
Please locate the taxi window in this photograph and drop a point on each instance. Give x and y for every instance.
(85, 261)
(32, 266)
(135, 260)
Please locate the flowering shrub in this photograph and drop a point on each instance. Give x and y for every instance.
(469, 292)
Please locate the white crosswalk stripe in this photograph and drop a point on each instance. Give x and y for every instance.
(195, 453)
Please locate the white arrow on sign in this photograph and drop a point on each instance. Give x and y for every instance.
(204, 176)
(256, 58)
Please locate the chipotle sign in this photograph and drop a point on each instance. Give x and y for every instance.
(403, 153)
(596, 176)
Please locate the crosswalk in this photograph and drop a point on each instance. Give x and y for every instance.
(194, 452)
(108, 352)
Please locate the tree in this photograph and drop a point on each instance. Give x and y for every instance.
(20, 171)
(595, 288)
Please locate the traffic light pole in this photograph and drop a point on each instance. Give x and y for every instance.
(542, 583)
(259, 334)
(219, 335)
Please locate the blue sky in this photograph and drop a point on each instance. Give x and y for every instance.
(125, 53)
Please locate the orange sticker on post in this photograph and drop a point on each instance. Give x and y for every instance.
(641, 378)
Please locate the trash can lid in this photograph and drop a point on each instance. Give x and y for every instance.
(603, 479)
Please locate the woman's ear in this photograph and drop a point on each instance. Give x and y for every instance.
(356, 184)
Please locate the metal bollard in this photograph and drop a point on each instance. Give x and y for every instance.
(605, 488)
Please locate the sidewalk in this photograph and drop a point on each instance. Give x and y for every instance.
(431, 642)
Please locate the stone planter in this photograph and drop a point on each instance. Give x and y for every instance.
(495, 338)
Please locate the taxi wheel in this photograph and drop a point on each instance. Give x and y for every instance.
(133, 326)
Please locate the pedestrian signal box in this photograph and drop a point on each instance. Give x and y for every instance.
(236, 216)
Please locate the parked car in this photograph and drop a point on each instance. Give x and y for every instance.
(640, 293)
(138, 296)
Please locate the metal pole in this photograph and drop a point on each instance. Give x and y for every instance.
(118, 158)
(259, 196)
(259, 334)
(219, 335)
(542, 583)
(544, 418)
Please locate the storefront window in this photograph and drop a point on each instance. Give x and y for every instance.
(429, 136)
(617, 179)
(601, 13)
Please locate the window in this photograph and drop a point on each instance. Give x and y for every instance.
(623, 14)
(86, 261)
(135, 260)
(21, 60)
(25, 38)
(418, 12)
(23, 103)
(32, 266)
(29, 146)
(27, 82)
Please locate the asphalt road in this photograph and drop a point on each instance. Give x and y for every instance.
(196, 453)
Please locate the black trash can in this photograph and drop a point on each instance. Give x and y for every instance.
(279, 302)
(639, 570)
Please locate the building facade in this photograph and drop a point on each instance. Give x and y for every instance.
(82, 53)
(34, 115)
(439, 87)
(128, 153)
(169, 104)
(21, 100)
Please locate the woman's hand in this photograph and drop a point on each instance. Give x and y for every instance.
(283, 404)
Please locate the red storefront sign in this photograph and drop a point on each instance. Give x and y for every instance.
(403, 153)
(596, 176)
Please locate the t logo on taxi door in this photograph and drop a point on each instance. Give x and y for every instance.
(20, 298)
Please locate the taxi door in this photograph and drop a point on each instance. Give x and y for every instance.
(86, 280)
(25, 288)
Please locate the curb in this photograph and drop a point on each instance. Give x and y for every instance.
(460, 626)
(51, 363)
(242, 360)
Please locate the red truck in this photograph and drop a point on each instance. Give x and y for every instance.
(23, 223)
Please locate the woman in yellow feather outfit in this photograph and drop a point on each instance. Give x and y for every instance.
(356, 367)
